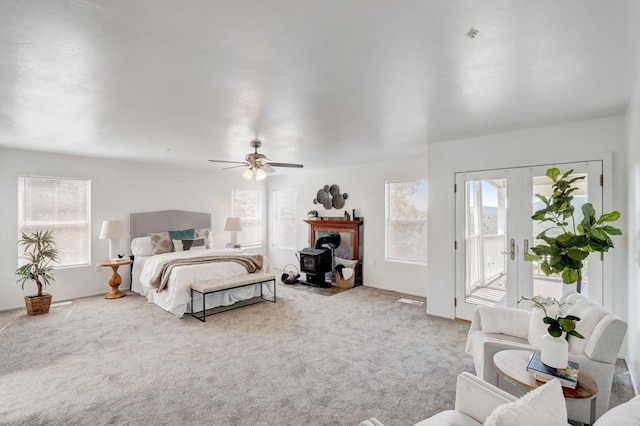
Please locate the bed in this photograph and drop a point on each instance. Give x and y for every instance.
(148, 258)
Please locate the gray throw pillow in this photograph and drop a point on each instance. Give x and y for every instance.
(160, 243)
(206, 234)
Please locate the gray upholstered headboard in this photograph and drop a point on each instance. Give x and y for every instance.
(140, 224)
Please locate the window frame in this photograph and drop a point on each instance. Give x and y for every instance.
(44, 224)
(258, 219)
(388, 220)
(275, 217)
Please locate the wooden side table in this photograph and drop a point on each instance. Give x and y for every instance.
(512, 365)
(116, 279)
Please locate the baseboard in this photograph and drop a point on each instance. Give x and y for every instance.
(55, 300)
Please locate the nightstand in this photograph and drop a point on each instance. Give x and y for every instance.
(116, 279)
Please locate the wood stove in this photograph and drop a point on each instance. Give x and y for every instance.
(316, 262)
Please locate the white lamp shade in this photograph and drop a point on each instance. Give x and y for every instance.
(233, 224)
(113, 230)
(248, 174)
(260, 174)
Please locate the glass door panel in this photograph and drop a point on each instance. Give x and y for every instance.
(552, 286)
(484, 257)
(589, 191)
(485, 241)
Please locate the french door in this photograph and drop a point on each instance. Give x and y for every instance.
(494, 231)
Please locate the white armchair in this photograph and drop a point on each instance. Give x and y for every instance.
(496, 329)
(478, 403)
(475, 400)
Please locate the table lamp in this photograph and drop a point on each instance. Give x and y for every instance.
(113, 230)
(233, 225)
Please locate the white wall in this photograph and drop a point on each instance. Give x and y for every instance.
(118, 188)
(365, 185)
(569, 142)
(633, 219)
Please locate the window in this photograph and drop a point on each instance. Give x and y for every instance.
(406, 220)
(63, 206)
(284, 219)
(247, 205)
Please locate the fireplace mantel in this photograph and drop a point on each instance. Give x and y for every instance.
(350, 226)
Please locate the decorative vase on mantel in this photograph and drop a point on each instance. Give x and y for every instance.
(555, 351)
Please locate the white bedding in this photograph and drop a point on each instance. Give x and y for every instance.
(177, 296)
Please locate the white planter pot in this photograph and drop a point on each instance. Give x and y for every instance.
(555, 351)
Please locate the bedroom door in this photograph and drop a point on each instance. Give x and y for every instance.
(494, 231)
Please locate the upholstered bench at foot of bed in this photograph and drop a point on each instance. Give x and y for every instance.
(209, 287)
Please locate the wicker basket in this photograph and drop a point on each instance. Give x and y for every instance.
(341, 282)
(38, 305)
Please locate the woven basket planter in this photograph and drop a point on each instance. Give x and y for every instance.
(38, 305)
(345, 283)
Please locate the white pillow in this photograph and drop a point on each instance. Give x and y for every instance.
(543, 406)
(509, 321)
(141, 246)
(346, 262)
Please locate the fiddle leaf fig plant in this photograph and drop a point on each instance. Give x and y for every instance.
(565, 243)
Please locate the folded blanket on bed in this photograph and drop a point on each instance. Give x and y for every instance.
(252, 263)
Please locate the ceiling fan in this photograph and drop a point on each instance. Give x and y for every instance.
(257, 164)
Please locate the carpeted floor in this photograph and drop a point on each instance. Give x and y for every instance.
(308, 359)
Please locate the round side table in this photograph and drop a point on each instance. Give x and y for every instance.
(512, 366)
(116, 279)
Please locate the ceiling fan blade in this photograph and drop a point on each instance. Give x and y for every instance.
(231, 162)
(299, 166)
(235, 167)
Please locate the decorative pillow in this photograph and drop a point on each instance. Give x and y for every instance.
(346, 262)
(185, 234)
(543, 406)
(141, 246)
(160, 242)
(510, 321)
(184, 245)
(206, 234)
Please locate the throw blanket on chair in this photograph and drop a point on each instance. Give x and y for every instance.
(252, 263)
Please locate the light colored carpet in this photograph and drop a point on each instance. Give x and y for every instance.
(307, 359)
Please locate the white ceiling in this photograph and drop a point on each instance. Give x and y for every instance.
(319, 82)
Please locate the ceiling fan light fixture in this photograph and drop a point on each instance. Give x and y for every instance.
(248, 174)
(259, 165)
(260, 174)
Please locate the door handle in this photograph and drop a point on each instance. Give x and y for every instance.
(526, 248)
(512, 249)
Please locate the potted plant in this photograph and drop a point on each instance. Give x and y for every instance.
(39, 252)
(563, 250)
(555, 348)
(312, 214)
